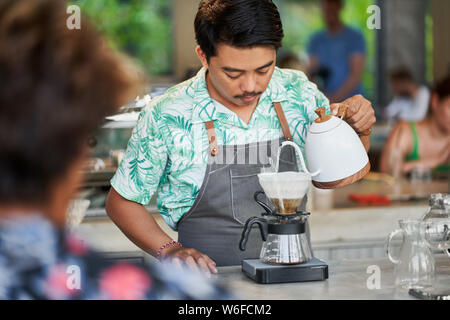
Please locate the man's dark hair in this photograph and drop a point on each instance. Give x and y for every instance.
(56, 87)
(401, 73)
(238, 23)
(442, 88)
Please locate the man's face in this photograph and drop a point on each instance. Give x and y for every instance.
(239, 76)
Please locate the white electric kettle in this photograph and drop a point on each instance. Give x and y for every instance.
(335, 155)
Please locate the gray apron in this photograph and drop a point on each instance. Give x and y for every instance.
(215, 222)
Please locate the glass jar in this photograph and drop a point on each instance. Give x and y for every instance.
(439, 207)
(437, 219)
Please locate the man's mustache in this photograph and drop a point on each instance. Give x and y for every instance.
(250, 94)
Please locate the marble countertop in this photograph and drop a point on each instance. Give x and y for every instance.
(343, 221)
(348, 279)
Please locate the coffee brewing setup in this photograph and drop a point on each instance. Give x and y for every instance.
(338, 158)
(286, 254)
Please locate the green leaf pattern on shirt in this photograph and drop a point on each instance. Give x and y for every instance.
(168, 150)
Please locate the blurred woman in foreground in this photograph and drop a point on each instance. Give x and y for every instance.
(56, 87)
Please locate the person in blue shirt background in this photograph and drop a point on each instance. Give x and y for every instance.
(337, 55)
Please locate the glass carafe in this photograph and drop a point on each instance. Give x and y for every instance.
(414, 267)
(286, 249)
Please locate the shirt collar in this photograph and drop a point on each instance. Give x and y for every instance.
(205, 109)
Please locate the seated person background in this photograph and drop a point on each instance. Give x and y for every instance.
(56, 87)
(410, 101)
(424, 144)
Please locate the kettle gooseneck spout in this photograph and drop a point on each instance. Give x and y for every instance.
(297, 149)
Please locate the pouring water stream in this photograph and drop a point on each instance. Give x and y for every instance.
(297, 149)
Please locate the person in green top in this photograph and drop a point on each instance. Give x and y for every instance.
(201, 144)
(424, 144)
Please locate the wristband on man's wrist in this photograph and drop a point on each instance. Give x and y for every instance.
(168, 244)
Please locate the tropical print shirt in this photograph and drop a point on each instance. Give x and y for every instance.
(39, 261)
(168, 149)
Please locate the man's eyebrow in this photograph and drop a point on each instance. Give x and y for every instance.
(266, 65)
(230, 69)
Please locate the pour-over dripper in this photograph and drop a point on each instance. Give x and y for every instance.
(285, 190)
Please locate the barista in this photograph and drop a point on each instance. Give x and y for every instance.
(201, 144)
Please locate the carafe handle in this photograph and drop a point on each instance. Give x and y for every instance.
(268, 210)
(263, 227)
(391, 236)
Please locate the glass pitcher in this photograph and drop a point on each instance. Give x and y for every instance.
(414, 267)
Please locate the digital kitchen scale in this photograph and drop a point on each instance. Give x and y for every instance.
(313, 270)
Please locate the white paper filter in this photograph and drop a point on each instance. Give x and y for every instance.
(284, 185)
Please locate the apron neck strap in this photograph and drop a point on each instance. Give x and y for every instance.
(214, 149)
(283, 121)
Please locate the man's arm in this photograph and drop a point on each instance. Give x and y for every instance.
(142, 229)
(135, 222)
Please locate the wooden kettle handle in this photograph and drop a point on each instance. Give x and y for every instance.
(342, 111)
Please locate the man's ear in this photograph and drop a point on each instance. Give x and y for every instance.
(202, 56)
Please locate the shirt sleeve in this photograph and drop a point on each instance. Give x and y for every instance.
(140, 172)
